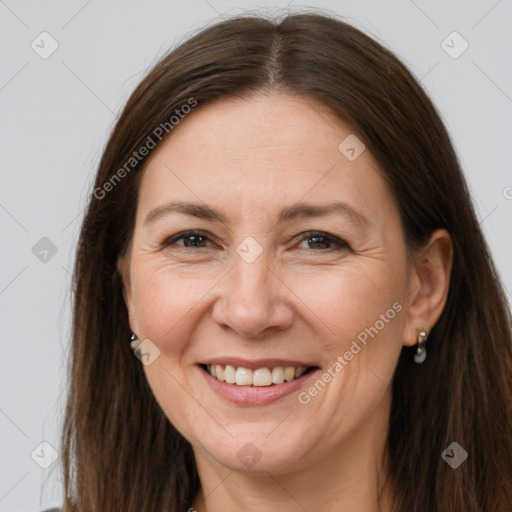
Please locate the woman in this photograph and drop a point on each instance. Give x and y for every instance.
(281, 232)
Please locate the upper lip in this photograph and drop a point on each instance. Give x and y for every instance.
(254, 364)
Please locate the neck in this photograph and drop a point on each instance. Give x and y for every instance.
(351, 477)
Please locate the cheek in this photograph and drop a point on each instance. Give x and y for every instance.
(169, 304)
(163, 302)
(360, 311)
(350, 300)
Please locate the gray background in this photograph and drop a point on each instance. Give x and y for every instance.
(56, 114)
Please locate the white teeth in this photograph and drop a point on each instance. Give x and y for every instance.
(260, 377)
(219, 370)
(243, 377)
(289, 373)
(230, 374)
(278, 375)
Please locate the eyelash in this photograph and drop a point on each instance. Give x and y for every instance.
(339, 244)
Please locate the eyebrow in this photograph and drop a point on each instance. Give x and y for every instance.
(287, 214)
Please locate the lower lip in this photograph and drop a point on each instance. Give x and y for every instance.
(255, 395)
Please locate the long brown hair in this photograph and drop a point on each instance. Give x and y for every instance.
(120, 452)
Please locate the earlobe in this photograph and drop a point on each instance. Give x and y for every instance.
(429, 287)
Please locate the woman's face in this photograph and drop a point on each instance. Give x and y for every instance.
(297, 261)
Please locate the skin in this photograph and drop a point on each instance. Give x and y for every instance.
(249, 158)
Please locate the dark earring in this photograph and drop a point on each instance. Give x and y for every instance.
(421, 351)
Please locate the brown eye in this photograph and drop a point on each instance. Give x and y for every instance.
(191, 239)
(324, 241)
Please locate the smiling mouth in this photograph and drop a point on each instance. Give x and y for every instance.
(259, 377)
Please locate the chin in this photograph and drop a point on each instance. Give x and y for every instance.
(252, 451)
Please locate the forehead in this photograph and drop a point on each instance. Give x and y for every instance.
(271, 123)
(267, 149)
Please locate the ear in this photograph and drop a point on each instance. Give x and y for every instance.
(123, 268)
(429, 281)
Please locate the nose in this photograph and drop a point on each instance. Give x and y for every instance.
(252, 299)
